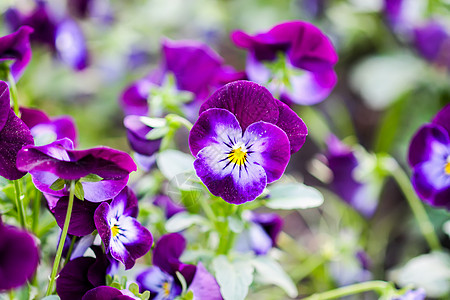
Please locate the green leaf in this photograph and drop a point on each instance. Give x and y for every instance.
(172, 163)
(234, 278)
(134, 288)
(184, 220)
(59, 184)
(91, 178)
(182, 281)
(268, 271)
(79, 192)
(153, 122)
(293, 196)
(236, 224)
(157, 133)
(145, 295)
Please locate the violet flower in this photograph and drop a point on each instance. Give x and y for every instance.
(161, 279)
(243, 140)
(342, 161)
(16, 47)
(107, 293)
(59, 160)
(14, 135)
(46, 130)
(19, 257)
(60, 33)
(262, 233)
(432, 41)
(82, 274)
(137, 131)
(429, 158)
(295, 59)
(123, 236)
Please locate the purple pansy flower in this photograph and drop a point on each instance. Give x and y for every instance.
(82, 274)
(59, 160)
(342, 161)
(429, 157)
(137, 130)
(170, 208)
(296, 46)
(243, 140)
(108, 293)
(19, 257)
(262, 233)
(432, 41)
(124, 237)
(161, 279)
(16, 47)
(46, 130)
(60, 33)
(14, 135)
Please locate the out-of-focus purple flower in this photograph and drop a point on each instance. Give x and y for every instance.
(82, 274)
(60, 33)
(106, 293)
(14, 135)
(295, 59)
(432, 41)
(97, 9)
(262, 233)
(19, 257)
(46, 130)
(124, 237)
(16, 47)
(137, 131)
(342, 161)
(243, 140)
(161, 279)
(59, 160)
(429, 157)
(170, 208)
(313, 8)
(418, 294)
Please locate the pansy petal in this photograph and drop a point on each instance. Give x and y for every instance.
(248, 101)
(136, 238)
(5, 103)
(103, 190)
(293, 126)
(442, 118)
(271, 223)
(213, 126)
(97, 271)
(102, 293)
(136, 134)
(168, 249)
(16, 46)
(204, 286)
(119, 252)
(441, 198)
(72, 282)
(102, 224)
(423, 142)
(71, 45)
(82, 218)
(270, 147)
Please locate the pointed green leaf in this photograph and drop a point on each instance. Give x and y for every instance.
(91, 178)
(293, 196)
(157, 133)
(134, 288)
(58, 184)
(153, 122)
(79, 192)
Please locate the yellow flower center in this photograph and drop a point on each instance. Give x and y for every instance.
(238, 156)
(166, 288)
(115, 230)
(447, 166)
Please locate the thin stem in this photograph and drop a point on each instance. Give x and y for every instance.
(19, 204)
(69, 252)
(62, 240)
(375, 285)
(207, 209)
(417, 208)
(227, 235)
(13, 90)
(36, 210)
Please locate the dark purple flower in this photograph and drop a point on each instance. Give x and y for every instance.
(19, 257)
(60, 33)
(262, 234)
(429, 157)
(124, 237)
(170, 208)
(58, 160)
(82, 274)
(14, 135)
(137, 131)
(46, 130)
(296, 46)
(161, 279)
(107, 293)
(432, 41)
(243, 140)
(393, 9)
(342, 162)
(16, 47)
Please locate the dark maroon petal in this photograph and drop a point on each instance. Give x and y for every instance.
(248, 101)
(422, 142)
(97, 271)
(204, 285)
(442, 118)
(102, 293)
(136, 133)
(82, 218)
(16, 46)
(442, 198)
(167, 252)
(72, 282)
(101, 223)
(292, 125)
(13, 137)
(19, 257)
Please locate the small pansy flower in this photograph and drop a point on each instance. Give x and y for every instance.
(19, 257)
(14, 135)
(58, 160)
(162, 280)
(123, 236)
(16, 47)
(429, 158)
(295, 59)
(243, 140)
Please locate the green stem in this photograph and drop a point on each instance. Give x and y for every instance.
(36, 210)
(417, 208)
(62, 239)
(227, 235)
(375, 285)
(19, 204)
(207, 209)
(13, 91)
(69, 252)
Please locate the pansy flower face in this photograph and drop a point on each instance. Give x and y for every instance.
(429, 157)
(239, 141)
(124, 237)
(294, 59)
(16, 47)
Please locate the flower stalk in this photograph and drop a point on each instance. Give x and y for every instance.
(19, 203)
(376, 285)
